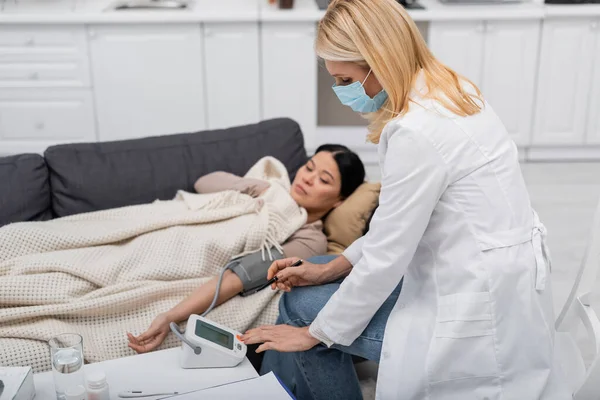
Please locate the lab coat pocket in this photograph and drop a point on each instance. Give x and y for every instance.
(463, 348)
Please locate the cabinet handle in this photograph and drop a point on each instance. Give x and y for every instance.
(39, 126)
(480, 28)
(489, 28)
(594, 25)
(208, 32)
(30, 42)
(92, 34)
(34, 76)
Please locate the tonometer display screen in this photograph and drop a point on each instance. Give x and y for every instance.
(214, 334)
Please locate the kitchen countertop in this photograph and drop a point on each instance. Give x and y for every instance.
(434, 10)
(578, 10)
(307, 10)
(98, 11)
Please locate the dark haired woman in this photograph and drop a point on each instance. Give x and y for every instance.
(327, 178)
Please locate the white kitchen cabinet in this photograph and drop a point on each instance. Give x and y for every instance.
(500, 57)
(565, 73)
(46, 115)
(593, 126)
(45, 94)
(289, 74)
(459, 45)
(509, 74)
(42, 38)
(232, 74)
(39, 56)
(147, 79)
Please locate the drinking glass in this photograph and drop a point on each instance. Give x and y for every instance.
(66, 355)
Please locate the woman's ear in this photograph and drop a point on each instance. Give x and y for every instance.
(338, 203)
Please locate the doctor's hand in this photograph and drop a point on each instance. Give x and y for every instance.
(153, 337)
(306, 274)
(282, 338)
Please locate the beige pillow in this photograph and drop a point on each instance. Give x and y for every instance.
(347, 222)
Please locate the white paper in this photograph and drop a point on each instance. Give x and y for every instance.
(266, 387)
(18, 383)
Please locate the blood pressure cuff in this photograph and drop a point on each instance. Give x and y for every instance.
(252, 270)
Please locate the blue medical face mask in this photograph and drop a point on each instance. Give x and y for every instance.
(355, 97)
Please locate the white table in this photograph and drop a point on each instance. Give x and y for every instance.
(156, 371)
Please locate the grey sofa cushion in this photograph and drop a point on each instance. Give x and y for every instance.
(95, 176)
(24, 189)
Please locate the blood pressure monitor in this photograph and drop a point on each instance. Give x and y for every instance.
(206, 344)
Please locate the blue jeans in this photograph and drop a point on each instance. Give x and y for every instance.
(321, 372)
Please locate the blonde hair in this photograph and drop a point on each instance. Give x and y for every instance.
(379, 34)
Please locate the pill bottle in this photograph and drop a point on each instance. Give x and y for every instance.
(97, 388)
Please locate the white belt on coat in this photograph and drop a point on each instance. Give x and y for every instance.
(513, 237)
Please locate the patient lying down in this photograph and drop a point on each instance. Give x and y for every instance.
(331, 175)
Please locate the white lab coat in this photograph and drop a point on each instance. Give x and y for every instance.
(474, 319)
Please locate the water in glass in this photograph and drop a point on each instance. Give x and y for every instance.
(66, 353)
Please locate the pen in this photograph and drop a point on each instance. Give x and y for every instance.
(274, 279)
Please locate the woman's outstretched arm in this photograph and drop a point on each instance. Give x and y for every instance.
(195, 303)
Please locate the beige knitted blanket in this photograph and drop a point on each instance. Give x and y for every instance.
(105, 273)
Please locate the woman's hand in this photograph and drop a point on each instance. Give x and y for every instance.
(306, 274)
(283, 338)
(153, 337)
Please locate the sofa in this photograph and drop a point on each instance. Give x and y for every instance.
(83, 177)
(75, 178)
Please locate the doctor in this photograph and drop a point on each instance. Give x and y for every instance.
(474, 317)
